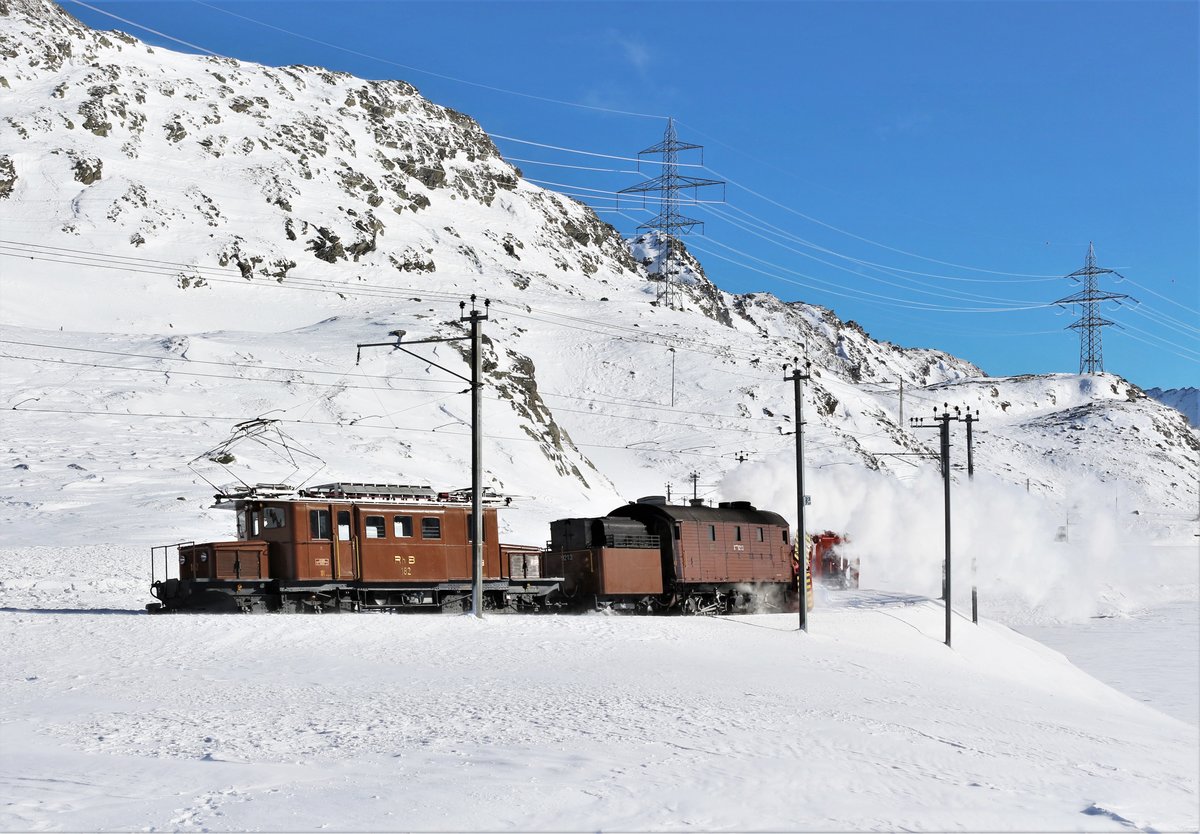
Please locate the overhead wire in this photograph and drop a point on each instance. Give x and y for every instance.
(917, 285)
(641, 405)
(856, 293)
(831, 227)
(885, 267)
(368, 56)
(241, 418)
(22, 250)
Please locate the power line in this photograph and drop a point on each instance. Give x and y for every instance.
(855, 293)
(585, 153)
(368, 56)
(169, 372)
(573, 167)
(146, 28)
(932, 290)
(862, 262)
(367, 291)
(360, 425)
(616, 194)
(341, 386)
(811, 219)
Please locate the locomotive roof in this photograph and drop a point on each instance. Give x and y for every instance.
(352, 491)
(733, 512)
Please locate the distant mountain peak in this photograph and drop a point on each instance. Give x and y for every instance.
(1183, 400)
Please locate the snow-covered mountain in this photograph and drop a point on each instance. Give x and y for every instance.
(1184, 400)
(190, 242)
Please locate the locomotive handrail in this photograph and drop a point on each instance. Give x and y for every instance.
(166, 550)
(632, 542)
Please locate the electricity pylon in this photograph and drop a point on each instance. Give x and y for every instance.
(669, 221)
(1091, 323)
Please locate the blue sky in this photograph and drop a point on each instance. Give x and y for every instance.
(929, 170)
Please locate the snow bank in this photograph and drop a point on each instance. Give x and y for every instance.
(120, 720)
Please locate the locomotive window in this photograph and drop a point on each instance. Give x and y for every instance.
(737, 533)
(431, 528)
(272, 517)
(712, 532)
(344, 525)
(678, 531)
(375, 527)
(318, 523)
(402, 526)
(255, 523)
(760, 534)
(785, 536)
(241, 526)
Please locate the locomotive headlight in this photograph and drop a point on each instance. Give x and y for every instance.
(182, 559)
(203, 556)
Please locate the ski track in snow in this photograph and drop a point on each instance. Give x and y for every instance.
(114, 719)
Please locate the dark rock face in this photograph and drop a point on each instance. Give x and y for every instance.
(88, 171)
(327, 246)
(8, 176)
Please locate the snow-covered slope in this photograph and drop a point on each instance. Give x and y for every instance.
(431, 723)
(191, 242)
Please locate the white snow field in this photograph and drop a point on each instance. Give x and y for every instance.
(113, 719)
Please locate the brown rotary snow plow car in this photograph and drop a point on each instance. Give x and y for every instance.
(650, 556)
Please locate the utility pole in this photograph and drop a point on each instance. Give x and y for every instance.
(695, 478)
(943, 421)
(476, 318)
(970, 420)
(797, 378)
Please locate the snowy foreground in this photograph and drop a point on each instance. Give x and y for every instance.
(114, 719)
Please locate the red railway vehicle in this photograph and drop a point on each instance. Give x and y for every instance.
(345, 546)
(651, 555)
(828, 566)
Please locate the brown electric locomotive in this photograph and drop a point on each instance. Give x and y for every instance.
(345, 546)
